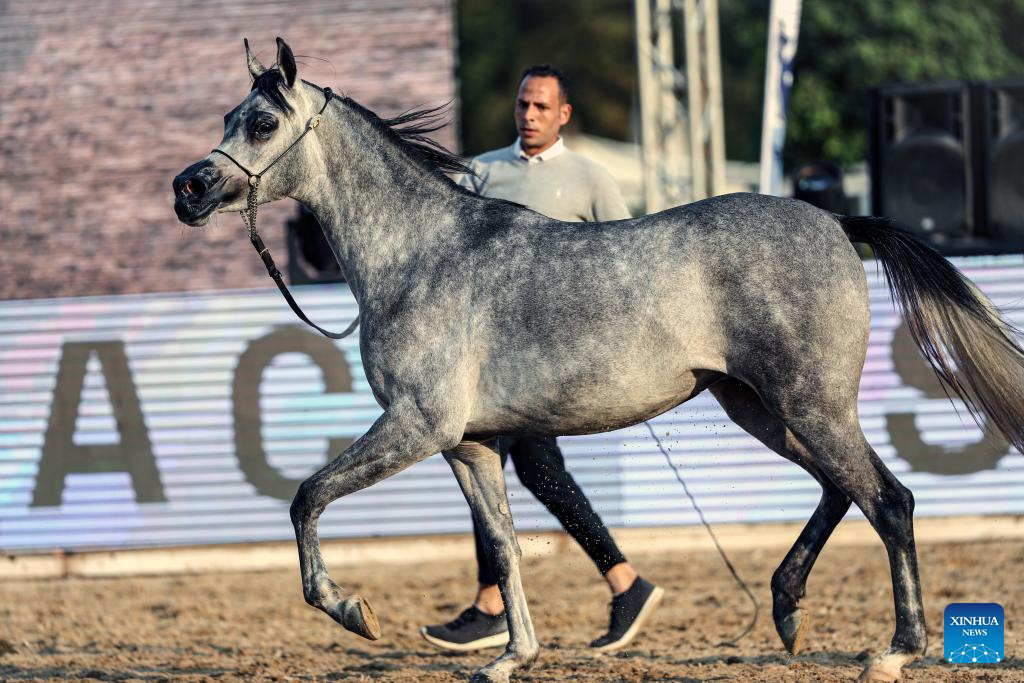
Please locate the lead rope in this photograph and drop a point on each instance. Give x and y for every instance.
(742, 584)
(249, 218)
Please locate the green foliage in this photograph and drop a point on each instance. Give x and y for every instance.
(845, 49)
(590, 40)
(742, 37)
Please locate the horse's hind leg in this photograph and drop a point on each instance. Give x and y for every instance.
(478, 470)
(828, 426)
(789, 581)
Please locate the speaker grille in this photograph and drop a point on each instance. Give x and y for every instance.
(926, 184)
(922, 157)
(1007, 187)
(1000, 169)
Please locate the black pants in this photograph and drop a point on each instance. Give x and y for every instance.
(541, 468)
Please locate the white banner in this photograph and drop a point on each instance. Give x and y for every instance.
(783, 30)
(168, 419)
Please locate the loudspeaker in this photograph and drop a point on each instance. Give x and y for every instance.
(999, 107)
(922, 158)
(310, 259)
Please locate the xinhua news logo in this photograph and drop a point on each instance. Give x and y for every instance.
(973, 633)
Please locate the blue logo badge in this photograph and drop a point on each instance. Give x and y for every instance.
(973, 633)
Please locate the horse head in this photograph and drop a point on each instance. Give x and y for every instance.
(258, 133)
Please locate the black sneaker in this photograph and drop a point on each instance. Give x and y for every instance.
(471, 630)
(629, 612)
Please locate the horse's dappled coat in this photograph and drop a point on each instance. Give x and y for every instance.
(481, 317)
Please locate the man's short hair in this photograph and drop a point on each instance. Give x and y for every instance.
(548, 70)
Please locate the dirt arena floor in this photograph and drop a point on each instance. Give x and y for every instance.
(255, 626)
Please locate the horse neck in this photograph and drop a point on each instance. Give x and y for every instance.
(380, 210)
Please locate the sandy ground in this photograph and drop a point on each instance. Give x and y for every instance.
(255, 626)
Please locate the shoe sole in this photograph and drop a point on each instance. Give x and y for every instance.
(496, 640)
(645, 612)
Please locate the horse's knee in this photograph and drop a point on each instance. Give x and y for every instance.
(304, 502)
(507, 555)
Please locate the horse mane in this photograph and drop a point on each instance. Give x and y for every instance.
(409, 130)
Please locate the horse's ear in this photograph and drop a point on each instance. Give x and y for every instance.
(286, 63)
(255, 68)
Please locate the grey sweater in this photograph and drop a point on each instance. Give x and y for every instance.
(568, 187)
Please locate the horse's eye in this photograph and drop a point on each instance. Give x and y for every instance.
(264, 127)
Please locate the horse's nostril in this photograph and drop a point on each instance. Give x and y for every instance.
(194, 186)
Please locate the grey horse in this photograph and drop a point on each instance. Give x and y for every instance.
(480, 317)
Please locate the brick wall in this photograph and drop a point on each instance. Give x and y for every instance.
(102, 103)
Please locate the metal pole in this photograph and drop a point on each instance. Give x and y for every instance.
(716, 121)
(671, 128)
(671, 111)
(648, 131)
(695, 100)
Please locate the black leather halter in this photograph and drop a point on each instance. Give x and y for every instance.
(249, 218)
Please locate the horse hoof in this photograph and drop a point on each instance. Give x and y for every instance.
(792, 629)
(885, 668)
(358, 616)
(876, 675)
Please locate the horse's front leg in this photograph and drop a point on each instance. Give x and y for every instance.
(399, 438)
(478, 469)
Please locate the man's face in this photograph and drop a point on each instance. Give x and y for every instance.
(540, 113)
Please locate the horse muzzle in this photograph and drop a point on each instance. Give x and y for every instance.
(199, 191)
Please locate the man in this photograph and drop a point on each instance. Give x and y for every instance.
(539, 172)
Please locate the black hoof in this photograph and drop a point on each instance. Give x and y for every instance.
(791, 629)
(358, 616)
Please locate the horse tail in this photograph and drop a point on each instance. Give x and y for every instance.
(959, 331)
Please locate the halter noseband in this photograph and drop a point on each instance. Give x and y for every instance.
(249, 218)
